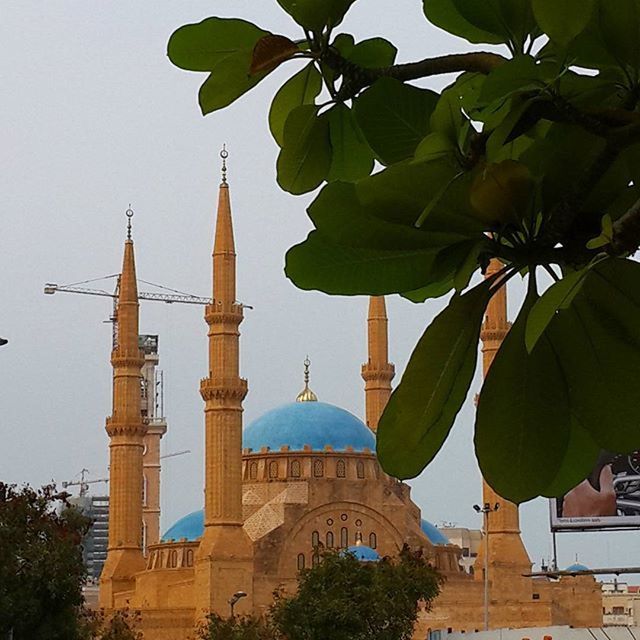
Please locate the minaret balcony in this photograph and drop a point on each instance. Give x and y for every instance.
(378, 371)
(221, 312)
(219, 389)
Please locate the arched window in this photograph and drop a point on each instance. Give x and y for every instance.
(144, 489)
(301, 561)
(173, 560)
(318, 468)
(295, 468)
(315, 539)
(253, 470)
(360, 469)
(329, 540)
(341, 470)
(273, 469)
(144, 536)
(344, 537)
(315, 559)
(373, 540)
(358, 537)
(189, 557)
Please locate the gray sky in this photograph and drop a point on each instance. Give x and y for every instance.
(94, 118)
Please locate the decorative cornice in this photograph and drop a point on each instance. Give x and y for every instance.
(223, 313)
(123, 358)
(373, 371)
(114, 428)
(221, 389)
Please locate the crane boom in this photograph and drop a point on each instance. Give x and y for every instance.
(50, 288)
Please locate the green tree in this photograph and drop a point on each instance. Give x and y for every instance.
(41, 567)
(345, 599)
(236, 628)
(530, 157)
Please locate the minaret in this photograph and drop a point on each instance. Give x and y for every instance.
(224, 563)
(378, 371)
(126, 431)
(508, 558)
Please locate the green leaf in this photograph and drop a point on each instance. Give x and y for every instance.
(434, 147)
(469, 266)
(447, 117)
(305, 156)
(318, 263)
(229, 80)
(394, 118)
(598, 343)
(421, 411)
(513, 75)
(342, 219)
(373, 53)
(563, 21)
(558, 296)
(445, 14)
(202, 46)
(579, 460)
(619, 24)
(523, 417)
(351, 156)
(302, 88)
(315, 15)
(431, 291)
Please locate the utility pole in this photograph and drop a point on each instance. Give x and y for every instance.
(485, 510)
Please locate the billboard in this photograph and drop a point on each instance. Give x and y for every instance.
(608, 499)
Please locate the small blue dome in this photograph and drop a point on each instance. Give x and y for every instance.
(363, 553)
(316, 424)
(577, 567)
(190, 527)
(433, 533)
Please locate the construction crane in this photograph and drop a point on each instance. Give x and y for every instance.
(170, 297)
(83, 483)
(177, 453)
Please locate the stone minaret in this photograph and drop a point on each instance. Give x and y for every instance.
(508, 558)
(377, 372)
(126, 431)
(225, 557)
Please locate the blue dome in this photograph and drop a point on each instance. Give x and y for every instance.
(316, 424)
(190, 527)
(577, 567)
(433, 533)
(363, 553)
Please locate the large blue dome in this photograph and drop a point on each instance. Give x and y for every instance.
(316, 424)
(433, 533)
(190, 527)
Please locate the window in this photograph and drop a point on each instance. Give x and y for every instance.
(189, 557)
(360, 469)
(344, 537)
(536, 596)
(301, 561)
(315, 559)
(341, 471)
(144, 490)
(373, 540)
(329, 540)
(295, 468)
(358, 537)
(173, 560)
(618, 611)
(318, 468)
(315, 539)
(253, 470)
(273, 469)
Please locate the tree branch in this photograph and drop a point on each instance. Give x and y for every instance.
(626, 232)
(356, 78)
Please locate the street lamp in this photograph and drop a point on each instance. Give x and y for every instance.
(234, 599)
(486, 509)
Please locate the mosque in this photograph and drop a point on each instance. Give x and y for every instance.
(303, 475)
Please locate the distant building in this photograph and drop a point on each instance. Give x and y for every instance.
(94, 545)
(469, 540)
(620, 604)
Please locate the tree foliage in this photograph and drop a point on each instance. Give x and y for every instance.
(345, 599)
(41, 567)
(530, 157)
(236, 628)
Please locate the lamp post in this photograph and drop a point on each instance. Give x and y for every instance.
(234, 599)
(486, 509)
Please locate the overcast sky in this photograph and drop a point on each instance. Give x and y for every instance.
(94, 117)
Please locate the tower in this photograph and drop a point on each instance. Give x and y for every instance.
(508, 558)
(126, 430)
(224, 563)
(377, 372)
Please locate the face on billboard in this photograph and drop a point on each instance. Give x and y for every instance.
(608, 498)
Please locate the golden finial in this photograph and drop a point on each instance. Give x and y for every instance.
(224, 154)
(129, 214)
(306, 395)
